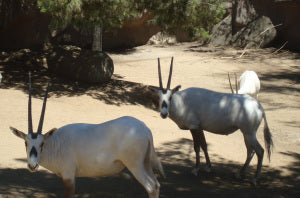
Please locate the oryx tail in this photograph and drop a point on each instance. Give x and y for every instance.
(155, 162)
(267, 137)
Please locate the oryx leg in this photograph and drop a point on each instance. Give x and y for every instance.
(259, 152)
(146, 180)
(199, 140)
(203, 145)
(250, 154)
(196, 140)
(149, 170)
(69, 184)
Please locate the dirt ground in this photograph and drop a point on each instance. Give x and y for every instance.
(126, 94)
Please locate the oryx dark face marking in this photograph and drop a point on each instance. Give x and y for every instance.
(34, 145)
(164, 105)
(164, 102)
(34, 135)
(33, 152)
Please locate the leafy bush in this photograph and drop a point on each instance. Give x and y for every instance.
(196, 17)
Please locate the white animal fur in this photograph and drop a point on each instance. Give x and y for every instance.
(96, 150)
(248, 83)
(92, 150)
(198, 109)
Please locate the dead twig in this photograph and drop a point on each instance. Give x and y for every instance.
(276, 51)
(274, 26)
(244, 51)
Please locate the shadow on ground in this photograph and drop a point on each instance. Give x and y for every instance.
(179, 182)
(114, 92)
(289, 77)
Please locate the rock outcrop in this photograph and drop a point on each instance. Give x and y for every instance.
(260, 23)
(80, 64)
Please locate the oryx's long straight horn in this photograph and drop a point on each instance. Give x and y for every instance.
(230, 83)
(30, 130)
(159, 75)
(43, 111)
(170, 74)
(236, 85)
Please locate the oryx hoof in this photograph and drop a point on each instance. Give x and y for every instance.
(207, 169)
(254, 182)
(195, 171)
(239, 175)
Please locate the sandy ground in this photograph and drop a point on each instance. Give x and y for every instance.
(194, 66)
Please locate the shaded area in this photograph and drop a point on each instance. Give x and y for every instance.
(291, 78)
(114, 92)
(179, 182)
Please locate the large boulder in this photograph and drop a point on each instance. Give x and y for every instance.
(255, 34)
(257, 23)
(80, 64)
(222, 33)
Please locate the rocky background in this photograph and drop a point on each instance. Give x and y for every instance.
(260, 23)
(25, 38)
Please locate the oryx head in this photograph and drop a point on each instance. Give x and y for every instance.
(236, 84)
(34, 141)
(165, 94)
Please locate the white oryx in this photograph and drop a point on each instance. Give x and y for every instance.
(198, 109)
(93, 150)
(248, 83)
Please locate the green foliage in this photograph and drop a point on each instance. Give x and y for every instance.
(108, 13)
(197, 17)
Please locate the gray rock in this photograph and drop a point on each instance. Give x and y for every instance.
(252, 35)
(221, 33)
(258, 33)
(252, 17)
(80, 64)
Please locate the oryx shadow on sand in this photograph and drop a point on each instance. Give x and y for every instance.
(179, 181)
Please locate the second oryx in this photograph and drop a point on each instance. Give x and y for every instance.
(198, 109)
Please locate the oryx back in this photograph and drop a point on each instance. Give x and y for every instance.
(83, 147)
(220, 113)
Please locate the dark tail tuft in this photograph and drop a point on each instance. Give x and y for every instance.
(268, 138)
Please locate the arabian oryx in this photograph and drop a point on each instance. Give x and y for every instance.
(198, 109)
(91, 150)
(248, 83)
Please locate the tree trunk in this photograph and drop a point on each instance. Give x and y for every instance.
(97, 38)
(242, 14)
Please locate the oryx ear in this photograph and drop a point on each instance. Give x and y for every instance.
(176, 88)
(18, 133)
(50, 133)
(155, 89)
